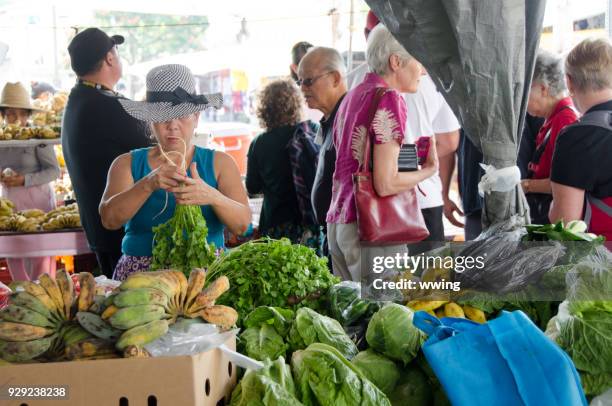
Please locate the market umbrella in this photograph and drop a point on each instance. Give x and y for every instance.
(481, 55)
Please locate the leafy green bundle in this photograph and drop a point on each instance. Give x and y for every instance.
(270, 272)
(180, 243)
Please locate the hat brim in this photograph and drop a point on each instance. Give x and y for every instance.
(117, 39)
(160, 112)
(32, 109)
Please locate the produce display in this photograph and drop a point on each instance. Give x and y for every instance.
(16, 132)
(321, 342)
(33, 220)
(52, 110)
(271, 272)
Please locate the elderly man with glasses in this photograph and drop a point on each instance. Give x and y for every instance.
(322, 78)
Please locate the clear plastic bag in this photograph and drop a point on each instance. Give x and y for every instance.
(510, 265)
(188, 337)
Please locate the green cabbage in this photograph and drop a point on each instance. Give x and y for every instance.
(324, 377)
(412, 388)
(272, 385)
(379, 369)
(392, 333)
(311, 327)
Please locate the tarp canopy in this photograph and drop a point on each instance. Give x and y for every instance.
(481, 54)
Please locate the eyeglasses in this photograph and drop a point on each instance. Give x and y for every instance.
(310, 81)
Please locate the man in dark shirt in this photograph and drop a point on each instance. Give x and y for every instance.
(322, 78)
(95, 130)
(581, 175)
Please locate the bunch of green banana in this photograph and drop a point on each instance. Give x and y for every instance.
(39, 316)
(148, 302)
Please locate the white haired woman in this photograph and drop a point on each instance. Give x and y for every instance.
(548, 99)
(138, 182)
(395, 70)
(581, 178)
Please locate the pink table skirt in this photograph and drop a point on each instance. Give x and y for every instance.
(43, 244)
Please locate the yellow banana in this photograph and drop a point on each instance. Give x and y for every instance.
(109, 312)
(210, 294)
(10, 331)
(197, 279)
(474, 314)
(223, 316)
(426, 305)
(66, 287)
(88, 290)
(53, 291)
(453, 310)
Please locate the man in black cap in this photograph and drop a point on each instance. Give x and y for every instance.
(96, 130)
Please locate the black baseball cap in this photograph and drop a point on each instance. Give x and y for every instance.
(88, 48)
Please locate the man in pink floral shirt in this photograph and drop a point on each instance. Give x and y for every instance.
(394, 69)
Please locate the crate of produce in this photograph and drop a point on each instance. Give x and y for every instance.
(198, 380)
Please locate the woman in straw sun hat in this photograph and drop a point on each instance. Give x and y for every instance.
(27, 173)
(144, 185)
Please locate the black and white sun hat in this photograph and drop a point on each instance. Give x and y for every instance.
(170, 94)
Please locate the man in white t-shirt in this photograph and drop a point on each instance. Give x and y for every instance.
(428, 115)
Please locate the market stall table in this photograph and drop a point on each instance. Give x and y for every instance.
(43, 243)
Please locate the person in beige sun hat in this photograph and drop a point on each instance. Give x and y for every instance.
(15, 104)
(26, 174)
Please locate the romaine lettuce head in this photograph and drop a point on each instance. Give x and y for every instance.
(392, 333)
(380, 370)
(311, 327)
(272, 385)
(324, 377)
(262, 343)
(587, 338)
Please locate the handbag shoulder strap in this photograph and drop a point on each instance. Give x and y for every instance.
(367, 153)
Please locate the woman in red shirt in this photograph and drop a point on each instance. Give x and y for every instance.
(548, 99)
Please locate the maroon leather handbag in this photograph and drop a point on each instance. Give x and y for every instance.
(389, 220)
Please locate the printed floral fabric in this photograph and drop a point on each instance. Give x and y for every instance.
(129, 264)
(351, 128)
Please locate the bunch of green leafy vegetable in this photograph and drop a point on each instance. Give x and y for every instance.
(268, 272)
(180, 243)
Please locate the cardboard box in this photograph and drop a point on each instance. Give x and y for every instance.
(198, 380)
